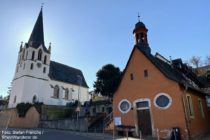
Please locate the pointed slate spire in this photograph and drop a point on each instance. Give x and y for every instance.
(37, 35)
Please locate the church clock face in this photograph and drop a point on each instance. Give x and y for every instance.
(39, 65)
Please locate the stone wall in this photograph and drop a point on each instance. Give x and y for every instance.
(67, 124)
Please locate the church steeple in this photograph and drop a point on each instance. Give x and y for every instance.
(140, 33)
(37, 36)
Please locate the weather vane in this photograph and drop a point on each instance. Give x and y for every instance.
(138, 17)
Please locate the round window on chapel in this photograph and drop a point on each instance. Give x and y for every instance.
(124, 106)
(163, 101)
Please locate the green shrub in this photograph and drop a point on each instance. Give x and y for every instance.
(22, 108)
(38, 106)
(68, 113)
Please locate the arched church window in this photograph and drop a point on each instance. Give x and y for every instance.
(32, 57)
(32, 66)
(66, 93)
(26, 54)
(19, 59)
(34, 100)
(14, 99)
(44, 70)
(45, 59)
(56, 92)
(40, 55)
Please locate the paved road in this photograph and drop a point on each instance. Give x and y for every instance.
(69, 135)
(52, 134)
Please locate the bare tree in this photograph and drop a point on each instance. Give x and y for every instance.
(196, 61)
(207, 60)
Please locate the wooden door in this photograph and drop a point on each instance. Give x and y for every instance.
(144, 122)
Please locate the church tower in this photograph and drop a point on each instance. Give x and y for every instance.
(31, 76)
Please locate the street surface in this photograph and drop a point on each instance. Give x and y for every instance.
(51, 134)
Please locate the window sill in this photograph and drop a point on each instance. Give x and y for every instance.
(54, 97)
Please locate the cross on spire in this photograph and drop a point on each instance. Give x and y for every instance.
(42, 5)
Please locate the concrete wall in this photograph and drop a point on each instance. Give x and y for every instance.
(10, 117)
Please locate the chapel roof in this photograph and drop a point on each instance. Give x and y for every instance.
(183, 75)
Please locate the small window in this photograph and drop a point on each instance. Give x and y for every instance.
(200, 105)
(190, 106)
(14, 101)
(45, 59)
(94, 110)
(32, 66)
(145, 73)
(40, 55)
(102, 109)
(34, 100)
(124, 106)
(162, 101)
(131, 76)
(142, 104)
(44, 70)
(32, 57)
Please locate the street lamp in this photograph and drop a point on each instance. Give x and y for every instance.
(79, 81)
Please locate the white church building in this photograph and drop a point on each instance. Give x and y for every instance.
(38, 79)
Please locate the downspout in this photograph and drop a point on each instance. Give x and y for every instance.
(185, 111)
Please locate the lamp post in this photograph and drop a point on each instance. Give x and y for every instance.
(79, 81)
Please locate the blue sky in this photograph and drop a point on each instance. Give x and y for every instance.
(88, 34)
